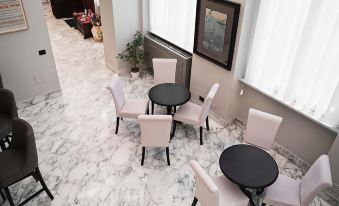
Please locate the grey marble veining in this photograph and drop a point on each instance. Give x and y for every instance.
(84, 163)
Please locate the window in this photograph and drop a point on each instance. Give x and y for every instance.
(295, 55)
(174, 21)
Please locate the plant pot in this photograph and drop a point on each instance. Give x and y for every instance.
(135, 74)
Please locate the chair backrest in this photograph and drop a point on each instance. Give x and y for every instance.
(206, 191)
(317, 178)
(155, 130)
(7, 103)
(117, 91)
(207, 103)
(164, 70)
(261, 128)
(23, 140)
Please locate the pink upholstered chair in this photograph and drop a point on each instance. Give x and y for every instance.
(261, 129)
(125, 108)
(164, 72)
(287, 191)
(155, 132)
(195, 114)
(216, 191)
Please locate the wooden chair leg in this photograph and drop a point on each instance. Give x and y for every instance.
(201, 136)
(117, 126)
(43, 184)
(143, 156)
(2, 195)
(9, 197)
(195, 201)
(167, 154)
(207, 124)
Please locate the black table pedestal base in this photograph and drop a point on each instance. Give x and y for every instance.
(248, 194)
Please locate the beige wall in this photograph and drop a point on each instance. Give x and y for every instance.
(23, 71)
(298, 134)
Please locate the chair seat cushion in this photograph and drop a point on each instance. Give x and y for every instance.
(229, 193)
(285, 191)
(11, 167)
(5, 126)
(132, 108)
(188, 113)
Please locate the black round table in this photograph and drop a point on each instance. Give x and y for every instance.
(169, 95)
(249, 167)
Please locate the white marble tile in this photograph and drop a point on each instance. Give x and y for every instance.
(84, 163)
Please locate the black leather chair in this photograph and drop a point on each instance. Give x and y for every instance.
(20, 161)
(1, 84)
(8, 111)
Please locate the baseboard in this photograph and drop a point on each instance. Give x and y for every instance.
(38, 99)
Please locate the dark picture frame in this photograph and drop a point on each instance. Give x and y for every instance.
(216, 30)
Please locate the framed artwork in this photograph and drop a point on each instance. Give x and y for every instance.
(216, 30)
(12, 16)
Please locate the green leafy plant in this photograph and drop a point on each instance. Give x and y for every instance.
(134, 53)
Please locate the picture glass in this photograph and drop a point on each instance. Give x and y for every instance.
(215, 30)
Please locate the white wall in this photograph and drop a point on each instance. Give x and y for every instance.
(108, 30)
(23, 71)
(119, 26)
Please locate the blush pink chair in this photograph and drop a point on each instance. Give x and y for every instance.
(195, 114)
(164, 72)
(261, 129)
(155, 132)
(125, 108)
(216, 191)
(287, 191)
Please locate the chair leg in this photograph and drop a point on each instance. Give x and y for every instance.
(207, 124)
(9, 197)
(143, 156)
(117, 126)
(167, 154)
(2, 195)
(121, 118)
(174, 128)
(195, 201)
(43, 184)
(147, 109)
(152, 107)
(201, 136)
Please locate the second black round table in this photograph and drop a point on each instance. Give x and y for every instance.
(169, 95)
(249, 167)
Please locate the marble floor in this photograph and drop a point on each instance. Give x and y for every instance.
(85, 163)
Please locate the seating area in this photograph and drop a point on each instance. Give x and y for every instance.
(111, 137)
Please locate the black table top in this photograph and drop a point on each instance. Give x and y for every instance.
(169, 94)
(248, 166)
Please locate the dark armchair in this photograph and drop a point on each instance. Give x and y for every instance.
(8, 111)
(20, 160)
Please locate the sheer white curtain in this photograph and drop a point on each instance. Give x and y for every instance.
(295, 55)
(174, 20)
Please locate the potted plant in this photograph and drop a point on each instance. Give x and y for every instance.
(134, 54)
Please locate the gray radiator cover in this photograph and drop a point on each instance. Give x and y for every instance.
(154, 48)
